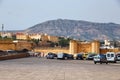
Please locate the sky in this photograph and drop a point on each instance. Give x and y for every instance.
(22, 14)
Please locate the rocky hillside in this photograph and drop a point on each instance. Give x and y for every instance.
(83, 30)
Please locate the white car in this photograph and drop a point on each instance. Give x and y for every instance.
(100, 58)
(64, 56)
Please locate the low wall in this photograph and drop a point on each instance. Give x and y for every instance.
(54, 50)
(14, 56)
(109, 50)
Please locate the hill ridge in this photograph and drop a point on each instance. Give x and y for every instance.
(79, 29)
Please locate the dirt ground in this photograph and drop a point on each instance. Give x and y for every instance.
(52, 69)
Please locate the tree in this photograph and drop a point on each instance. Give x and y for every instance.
(63, 42)
(36, 41)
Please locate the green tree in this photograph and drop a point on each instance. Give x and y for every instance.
(64, 42)
(36, 41)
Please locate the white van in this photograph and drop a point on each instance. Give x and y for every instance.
(111, 57)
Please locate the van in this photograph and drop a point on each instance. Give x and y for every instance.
(111, 57)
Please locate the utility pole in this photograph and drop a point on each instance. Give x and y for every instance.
(2, 31)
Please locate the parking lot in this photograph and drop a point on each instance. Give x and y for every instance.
(52, 69)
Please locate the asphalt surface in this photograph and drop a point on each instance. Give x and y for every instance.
(49, 69)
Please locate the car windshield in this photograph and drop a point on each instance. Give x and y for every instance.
(102, 56)
(118, 56)
(108, 55)
(112, 55)
(97, 57)
(79, 54)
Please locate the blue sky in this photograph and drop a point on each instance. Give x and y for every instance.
(22, 14)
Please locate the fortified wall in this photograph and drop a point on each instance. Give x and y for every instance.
(74, 47)
(116, 50)
(11, 45)
(86, 47)
(54, 50)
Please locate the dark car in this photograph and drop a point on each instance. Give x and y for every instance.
(11, 51)
(51, 56)
(79, 57)
(118, 56)
(2, 53)
(70, 56)
(64, 56)
(90, 56)
(100, 58)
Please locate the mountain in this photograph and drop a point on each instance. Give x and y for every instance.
(79, 29)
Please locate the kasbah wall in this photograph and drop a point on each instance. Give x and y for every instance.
(10, 45)
(74, 48)
(78, 47)
(86, 47)
(89, 47)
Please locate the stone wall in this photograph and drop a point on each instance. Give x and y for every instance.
(109, 50)
(10, 45)
(14, 56)
(86, 47)
(24, 45)
(7, 46)
(54, 50)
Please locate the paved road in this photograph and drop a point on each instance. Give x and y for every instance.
(45, 69)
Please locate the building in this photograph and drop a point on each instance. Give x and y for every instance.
(53, 39)
(22, 36)
(35, 36)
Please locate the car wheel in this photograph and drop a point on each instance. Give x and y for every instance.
(94, 62)
(100, 62)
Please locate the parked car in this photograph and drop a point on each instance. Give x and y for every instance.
(118, 56)
(85, 55)
(90, 56)
(64, 56)
(79, 56)
(31, 53)
(51, 55)
(11, 51)
(2, 53)
(111, 57)
(70, 56)
(100, 58)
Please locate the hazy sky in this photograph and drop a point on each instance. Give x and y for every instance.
(22, 14)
